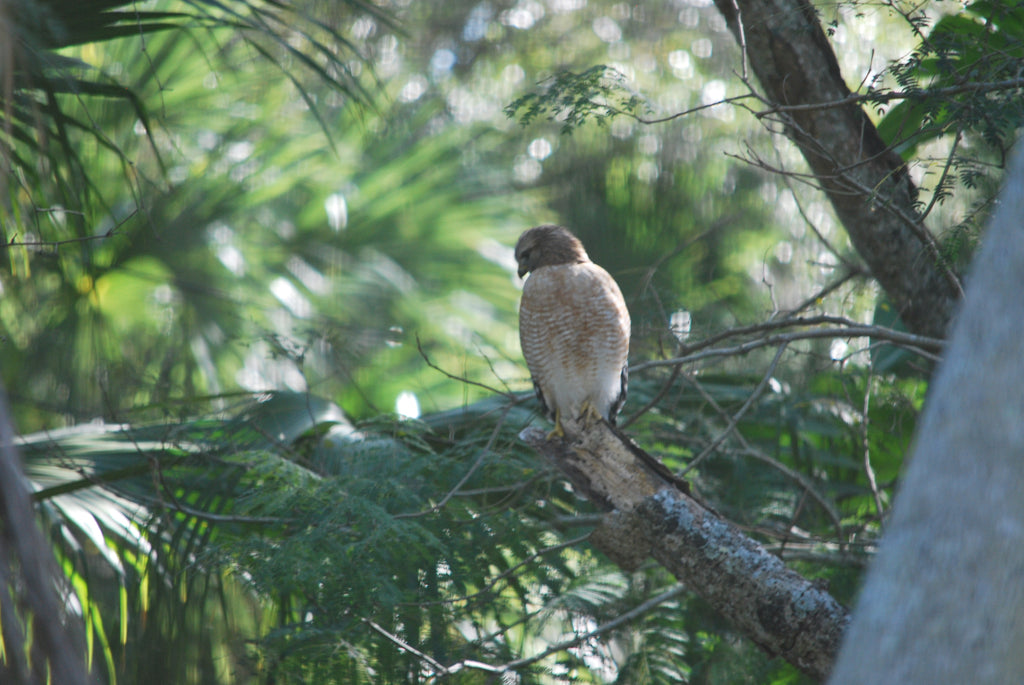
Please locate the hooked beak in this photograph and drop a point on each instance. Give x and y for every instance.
(523, 271)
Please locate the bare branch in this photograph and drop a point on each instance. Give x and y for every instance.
(677, 115)
(434, 664)
(735, 418)
(880, 332)
(635, 612)
(882, 97)
(922, 345)
(461, 379)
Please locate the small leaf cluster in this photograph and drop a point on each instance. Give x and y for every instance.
(598, 94)
(964, 77)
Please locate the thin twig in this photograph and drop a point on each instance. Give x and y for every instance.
(814, 229)
(830, 288)
(866, 445)
(937, 193)
(677, 115)
(735, 418)
(935, 344)
(800, 478)
(922, 343)
(749, 450)
(484, 451)
(633, 613)
(918, 229)
(438, 667)
(884, 97)
(454, 377)
(741, 37)
(57, 243)
(666, 386)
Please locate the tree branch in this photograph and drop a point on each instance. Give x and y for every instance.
(882, 97)
(919, 344)
(776, 608)
(866, 181)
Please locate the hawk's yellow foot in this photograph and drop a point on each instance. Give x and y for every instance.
(590, 413)
(558, 432)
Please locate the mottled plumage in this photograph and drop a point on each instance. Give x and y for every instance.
(573, 327)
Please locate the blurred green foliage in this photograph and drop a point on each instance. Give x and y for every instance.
(446, 534)
(237, 234)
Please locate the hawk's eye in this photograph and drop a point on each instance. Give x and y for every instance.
(525, 254)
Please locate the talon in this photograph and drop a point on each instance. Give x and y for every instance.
(590, 412)
(558, 432)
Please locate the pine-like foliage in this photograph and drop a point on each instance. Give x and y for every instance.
(402, 550)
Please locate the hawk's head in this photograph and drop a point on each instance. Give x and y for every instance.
(548, 245)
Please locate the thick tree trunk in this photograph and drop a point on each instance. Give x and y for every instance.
(867, 183)
(944, 600)
(775, 607)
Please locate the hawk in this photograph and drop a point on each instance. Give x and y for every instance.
(573, 328)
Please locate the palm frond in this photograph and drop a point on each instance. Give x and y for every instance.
(38, 104)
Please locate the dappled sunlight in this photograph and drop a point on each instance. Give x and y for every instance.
(838, 349)
(232, 259)
(262, 370)
(539, 148)
(501, 254)
(680, 323)
(607, 29)
(337, 211)
(527, 169)
(309, 276)
(271, 252)
(290, 296)
(407, 406)
(524, 15)
(468, 106)
(413, 89)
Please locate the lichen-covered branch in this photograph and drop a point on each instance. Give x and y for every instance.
(652, 515)
(773, 606)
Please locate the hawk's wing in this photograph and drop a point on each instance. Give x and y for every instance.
(613, 415)
(549, 411)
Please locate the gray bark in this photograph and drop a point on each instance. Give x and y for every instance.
(866, 183)
(944, 600)
(775, 607)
